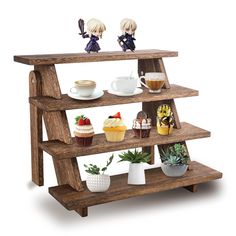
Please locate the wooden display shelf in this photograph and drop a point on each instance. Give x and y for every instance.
(61, 150)
(49, 59)
(67, 103)
(49, 105)
(156, 181)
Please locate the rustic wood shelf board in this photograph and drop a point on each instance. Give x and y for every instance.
(61, 150)
(48, 59)
(67, 103)
(156, 181)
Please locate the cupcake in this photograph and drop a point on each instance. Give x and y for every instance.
(142, 125)
(165, 120)
(83, 131)
(114, 128)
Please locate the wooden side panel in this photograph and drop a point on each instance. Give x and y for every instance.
(50, 84)
(36, 132)
(57, 127)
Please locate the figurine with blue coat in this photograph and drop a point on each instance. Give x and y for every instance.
(126, 40)
(95, 30)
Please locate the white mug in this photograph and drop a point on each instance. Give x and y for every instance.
(83, 88)
(154, 81)
(124, 84)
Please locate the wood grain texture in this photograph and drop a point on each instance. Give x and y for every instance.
(57, 128)
(50, 83)
(48, 59)
(152, 65)
(36, 132)
(67, 103)
(100, 145)
(163, 70)
(156, 181)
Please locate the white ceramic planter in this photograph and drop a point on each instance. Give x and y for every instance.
(174, 170)
(136, 174)
(98, 183)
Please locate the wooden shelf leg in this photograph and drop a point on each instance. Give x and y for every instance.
(154, 65)
(36, 132)
(192, 188)
(82, 211)
(57, 127)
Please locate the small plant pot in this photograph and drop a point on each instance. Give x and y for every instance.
(98, 183)
(136, 174)
(174, 170)
(164, 129)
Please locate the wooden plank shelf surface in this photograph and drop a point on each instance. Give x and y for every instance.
(61, 150)
(156, 181)
(48, 59)
(67, 103)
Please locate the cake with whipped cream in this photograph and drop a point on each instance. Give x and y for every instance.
(142, 125)
(83, 131)
(114, 128)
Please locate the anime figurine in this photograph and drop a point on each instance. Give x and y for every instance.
(126, 40)
(95, 29)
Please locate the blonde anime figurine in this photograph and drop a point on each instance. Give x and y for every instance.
(126, 40)
(95, 30)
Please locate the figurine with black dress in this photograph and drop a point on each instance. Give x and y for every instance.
(95, 29)
(126, 40)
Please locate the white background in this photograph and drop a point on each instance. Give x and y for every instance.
(203, 33)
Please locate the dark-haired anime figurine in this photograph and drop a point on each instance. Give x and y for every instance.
(126, 40)
(95, 29)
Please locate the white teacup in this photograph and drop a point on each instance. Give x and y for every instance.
(153, 81)
(83, 88)
(124, 84)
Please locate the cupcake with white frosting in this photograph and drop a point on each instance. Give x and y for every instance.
(114, 128)
(83, 131)
(142, 125)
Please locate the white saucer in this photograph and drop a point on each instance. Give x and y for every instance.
(96, 94)
(136, 92)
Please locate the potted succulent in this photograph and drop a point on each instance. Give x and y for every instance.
(136, 158)
(174, 160)
(96, 180)
(165, 120)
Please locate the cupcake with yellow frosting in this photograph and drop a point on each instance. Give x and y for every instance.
(114, 128)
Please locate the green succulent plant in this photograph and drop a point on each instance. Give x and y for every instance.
(175, 155)
(95, 170)
(135, 156)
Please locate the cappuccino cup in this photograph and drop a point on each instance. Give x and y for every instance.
(124, 84)
(154, 81)
(83, 88)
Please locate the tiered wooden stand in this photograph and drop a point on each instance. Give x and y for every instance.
(47, 102)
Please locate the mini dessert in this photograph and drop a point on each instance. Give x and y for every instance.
(142, 125)
(165, 120)
(83, 131)
(114, 128)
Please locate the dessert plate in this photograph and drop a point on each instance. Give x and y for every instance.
(136, 92)
(96, 94)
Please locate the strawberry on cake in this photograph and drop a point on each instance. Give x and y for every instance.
(83, 131)
(114, 128)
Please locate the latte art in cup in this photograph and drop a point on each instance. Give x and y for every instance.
(85, 83)
(83, 88)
